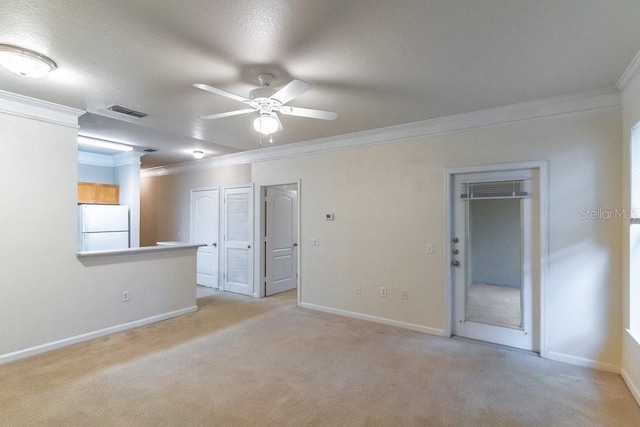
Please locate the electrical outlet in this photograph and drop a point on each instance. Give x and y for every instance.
(358, 290)
(383, 292)
(405, 294)
(314, 241)
(125, 296)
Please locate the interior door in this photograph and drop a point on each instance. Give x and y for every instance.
(205, 225)
(281, 240)
(492, 257)
(238, 234)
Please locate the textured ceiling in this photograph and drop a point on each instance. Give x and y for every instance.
(377, 63)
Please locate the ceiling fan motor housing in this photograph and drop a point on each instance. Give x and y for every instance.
(261, 92)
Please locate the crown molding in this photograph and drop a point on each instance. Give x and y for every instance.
(36, 109)
(121, 159)
(629, 83)
(128, 158)
(583, 102)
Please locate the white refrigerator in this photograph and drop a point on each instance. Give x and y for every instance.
(103, 227)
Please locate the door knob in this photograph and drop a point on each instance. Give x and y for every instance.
(295, 244)
(455, 263)
(214, 244)
(248, 246)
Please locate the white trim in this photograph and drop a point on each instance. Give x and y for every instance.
(10, 357)
(542, 167)
(94, 159)
(375, 319)
(120, 159)
(36, 109)
(604, 99)
(582, 361)
(633, 388)
(629, 82)
(129, 158)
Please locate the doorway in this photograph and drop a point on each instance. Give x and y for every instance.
(280, 238)
(277, 217)
(205, 229)
(495, 255)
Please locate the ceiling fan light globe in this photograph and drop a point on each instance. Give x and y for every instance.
(265, 124)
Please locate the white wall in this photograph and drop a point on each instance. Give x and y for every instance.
(93, 173)
(47, 294)
(127, 176)
(389, 201)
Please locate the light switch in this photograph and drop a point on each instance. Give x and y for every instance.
(429, 248)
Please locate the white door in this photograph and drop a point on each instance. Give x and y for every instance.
(205, 220)
(492, 260)
(281, 240)
(238, 234)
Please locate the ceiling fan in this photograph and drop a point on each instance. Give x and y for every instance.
(267, 102)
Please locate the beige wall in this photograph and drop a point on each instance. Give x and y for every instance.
(389, 201)
(47, 295)
(165, 202)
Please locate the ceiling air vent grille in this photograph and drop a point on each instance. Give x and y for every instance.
(127, 111)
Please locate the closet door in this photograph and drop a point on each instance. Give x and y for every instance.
(238, 235)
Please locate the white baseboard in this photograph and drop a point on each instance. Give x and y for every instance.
(16, 355)
(633, 388)
(375, 319)
(581, 361)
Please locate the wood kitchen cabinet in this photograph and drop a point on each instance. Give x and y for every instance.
(102, 194)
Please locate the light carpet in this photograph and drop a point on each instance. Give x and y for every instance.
(239, 361)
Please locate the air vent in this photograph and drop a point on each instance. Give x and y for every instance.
(149, 150)
(127, 111)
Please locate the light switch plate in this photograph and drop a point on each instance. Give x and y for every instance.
(429, 248)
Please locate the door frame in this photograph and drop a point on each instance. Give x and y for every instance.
(259, 228)
(542, 167)
(191, 224)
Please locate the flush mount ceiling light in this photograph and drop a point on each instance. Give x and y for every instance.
(266, 124)
(25, 62)
(103, 144)
(198, 154)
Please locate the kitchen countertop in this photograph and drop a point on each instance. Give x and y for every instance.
(161, 247)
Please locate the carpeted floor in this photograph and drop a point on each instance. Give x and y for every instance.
(245, 362)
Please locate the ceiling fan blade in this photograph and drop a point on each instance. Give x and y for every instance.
(307, 112)
(221, 92)
(229, 114)
(279, 122)
(293, 89)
